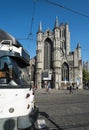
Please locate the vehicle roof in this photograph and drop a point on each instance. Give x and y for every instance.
(6, 36)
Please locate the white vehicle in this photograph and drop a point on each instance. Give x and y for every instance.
(17, 105)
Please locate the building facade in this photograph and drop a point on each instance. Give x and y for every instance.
(55, 63)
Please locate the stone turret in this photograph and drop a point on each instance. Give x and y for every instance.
(56, 29)
(79, 51)
(56, 45)
(39, 33)
(39, 56)
(56, 54)
(67, 38)
(56, 23)
(40, 28)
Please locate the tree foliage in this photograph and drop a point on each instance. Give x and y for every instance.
(85, 76)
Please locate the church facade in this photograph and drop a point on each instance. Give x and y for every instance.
(55, 63)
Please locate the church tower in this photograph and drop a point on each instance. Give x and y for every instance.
(56, 55)
(39, 56)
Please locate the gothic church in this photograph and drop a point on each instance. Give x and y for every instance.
(55, 63)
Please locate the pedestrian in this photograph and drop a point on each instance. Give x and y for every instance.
(70, 89)
(48, 86)
(77, 88)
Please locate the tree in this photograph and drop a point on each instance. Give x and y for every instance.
(85, 77)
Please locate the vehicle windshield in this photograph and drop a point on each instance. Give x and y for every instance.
(13, 71)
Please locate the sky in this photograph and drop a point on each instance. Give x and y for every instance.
(21, 18)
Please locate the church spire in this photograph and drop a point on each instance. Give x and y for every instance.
(56, 23)
(40, 28)
(78, 45)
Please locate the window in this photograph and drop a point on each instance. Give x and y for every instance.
(12, 73)
(48, 54)
(65, 72)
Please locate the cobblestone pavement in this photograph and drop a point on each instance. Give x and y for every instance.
(62, 110)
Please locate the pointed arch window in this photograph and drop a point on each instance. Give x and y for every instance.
(65, 72)
(47, 54)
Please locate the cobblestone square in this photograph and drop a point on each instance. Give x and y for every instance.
(62, 110)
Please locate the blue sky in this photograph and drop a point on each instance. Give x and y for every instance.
(16, 17)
